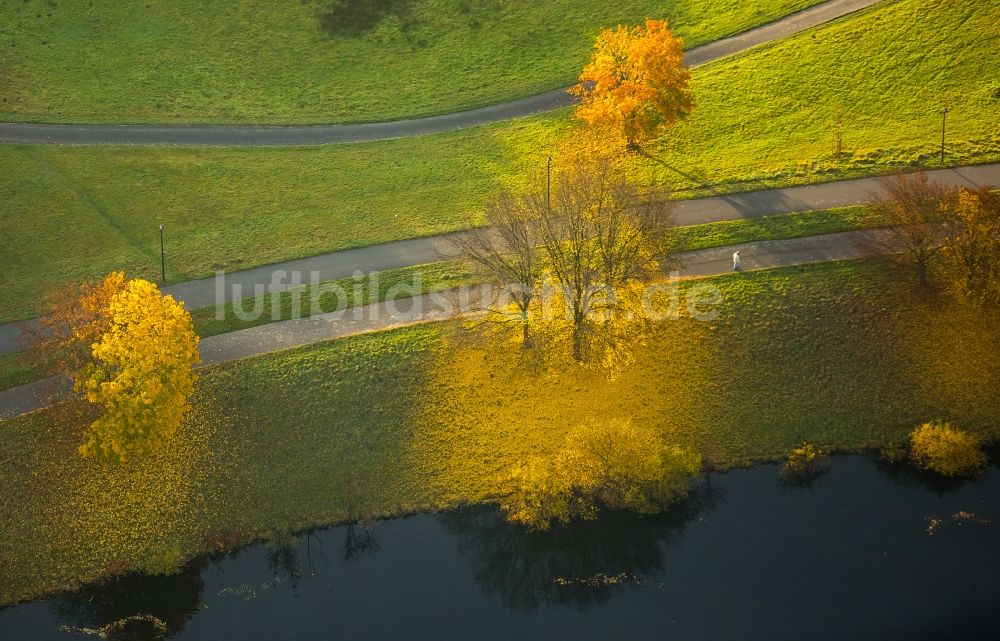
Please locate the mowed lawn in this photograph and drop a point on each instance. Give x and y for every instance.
(844, 355)
(312, 61)
(70, 213)
(782, 226)
(876, 81)
(766, 118)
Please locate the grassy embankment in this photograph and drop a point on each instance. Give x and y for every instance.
(768, 117)
(844, 355)
(308, 62)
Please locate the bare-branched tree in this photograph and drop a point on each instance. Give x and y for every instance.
(590, 228)
(916, 210)
(506, 252)
(600, 234)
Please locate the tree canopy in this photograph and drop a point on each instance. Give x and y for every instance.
(636, 82)
(973, 246)
(569, 252)
(915, 209)
(129, 351)
(606, 463)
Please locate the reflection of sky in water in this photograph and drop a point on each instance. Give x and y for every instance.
(867, 551)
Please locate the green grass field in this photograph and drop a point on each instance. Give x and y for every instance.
(878, 80)
(797, 225)
(235, 208)
(844, 355)
(313, 61)
(14, 372)
(765, 118)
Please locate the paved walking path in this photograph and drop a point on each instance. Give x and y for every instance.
(419, 251)
(250, 135)
(436, 307)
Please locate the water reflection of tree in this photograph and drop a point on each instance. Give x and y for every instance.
(136, 606)
(359, 539)
(580, 564)
(904, 472)
(283, 563)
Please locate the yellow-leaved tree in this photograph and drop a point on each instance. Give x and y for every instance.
(613, 464)
(546, 490)
(129, 351)
(972, 250)
(636, 82)
(632, 466)
(141, 373)
(947, 450)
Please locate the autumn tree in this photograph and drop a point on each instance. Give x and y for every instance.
(945, 449)
(973, 245)
(543, 491)
(129, 351)
(600, 234)
(632, 467)
(612, 464)
(636, 82)
(506, 252)
(803, 464)
(916, 211)
(72, 319)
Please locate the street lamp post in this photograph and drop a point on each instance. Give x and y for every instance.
(548, 185)
(944, 120)
(163, 262)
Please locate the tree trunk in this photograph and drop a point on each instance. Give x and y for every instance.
(922, 270)
(577, 340)
(525, 333)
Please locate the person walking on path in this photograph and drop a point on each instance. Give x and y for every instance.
(737, 264)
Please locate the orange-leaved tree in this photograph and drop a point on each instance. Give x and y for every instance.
(130, 352)
(73, 318)
(636, 82)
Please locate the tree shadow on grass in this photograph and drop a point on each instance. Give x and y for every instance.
(353, 18)
(753, 199)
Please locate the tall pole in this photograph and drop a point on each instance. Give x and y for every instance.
(163, 262)
(548, 186)
(944, 119)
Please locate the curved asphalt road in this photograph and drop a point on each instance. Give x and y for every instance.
(249, 135)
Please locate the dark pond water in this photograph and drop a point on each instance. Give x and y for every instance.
(865, 552)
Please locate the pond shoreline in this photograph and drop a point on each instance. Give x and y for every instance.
(902, 472)
(744, 555)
